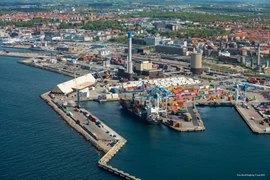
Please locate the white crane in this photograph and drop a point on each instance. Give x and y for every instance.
(77, 90)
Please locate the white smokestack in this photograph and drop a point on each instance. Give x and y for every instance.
(259, 54)
(129, 60)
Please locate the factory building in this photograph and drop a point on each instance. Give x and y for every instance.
(196, 63)
(146, 71)
(143, 65)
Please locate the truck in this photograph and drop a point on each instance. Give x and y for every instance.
(70, 114)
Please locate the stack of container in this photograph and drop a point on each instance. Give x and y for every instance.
(174, 123)
(187, 116)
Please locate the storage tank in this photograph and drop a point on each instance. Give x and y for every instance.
(196, 63)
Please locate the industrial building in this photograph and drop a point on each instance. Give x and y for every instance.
(144, 69)
(233, 59)
(143, 65)
(138, 51)
(79, 83)
(196, 63)
(152, 41)
(171, 49)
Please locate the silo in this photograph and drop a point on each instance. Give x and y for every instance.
(196, 63)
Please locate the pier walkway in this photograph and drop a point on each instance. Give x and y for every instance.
(102, 163)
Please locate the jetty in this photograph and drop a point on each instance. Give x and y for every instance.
(99, 144)
(102, 163)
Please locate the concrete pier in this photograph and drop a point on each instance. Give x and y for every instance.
(110, 151)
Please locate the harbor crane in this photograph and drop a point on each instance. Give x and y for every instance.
(77, 90)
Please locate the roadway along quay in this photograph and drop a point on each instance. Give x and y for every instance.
(96, 132)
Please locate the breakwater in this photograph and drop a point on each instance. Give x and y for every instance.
(18, 54)
(28, 63)
(109, 153)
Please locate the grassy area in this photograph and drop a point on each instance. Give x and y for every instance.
(224, 68)
(206, 78)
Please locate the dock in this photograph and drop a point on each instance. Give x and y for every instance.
(99, 144)
(253, 124)
(195, 125)
(107, 100)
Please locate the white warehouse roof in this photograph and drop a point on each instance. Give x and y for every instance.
(78, 83)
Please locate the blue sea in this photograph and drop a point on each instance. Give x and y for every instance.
(35, 143)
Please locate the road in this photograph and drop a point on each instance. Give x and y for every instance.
(100, 132)
(193, 115)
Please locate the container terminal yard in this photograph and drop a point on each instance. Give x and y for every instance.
(150, 93)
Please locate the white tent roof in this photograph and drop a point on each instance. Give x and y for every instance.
(66, 87)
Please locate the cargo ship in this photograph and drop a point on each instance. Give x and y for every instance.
(148, 112)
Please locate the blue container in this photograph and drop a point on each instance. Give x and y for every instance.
(115, 90)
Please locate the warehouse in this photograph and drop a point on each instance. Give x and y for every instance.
(79, 83)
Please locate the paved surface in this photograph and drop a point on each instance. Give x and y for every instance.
(254, 124)
(100, 132)
(193, 115)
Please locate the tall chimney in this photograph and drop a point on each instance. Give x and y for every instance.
(129, 61)
(259, 54)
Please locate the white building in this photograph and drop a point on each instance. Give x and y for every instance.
(104, 52)
(152, 41)
(80, 83)
(224, 53)
(84, 93)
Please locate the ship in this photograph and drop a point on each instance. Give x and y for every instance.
(140, 112)
(10, 41)
(145, 108)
